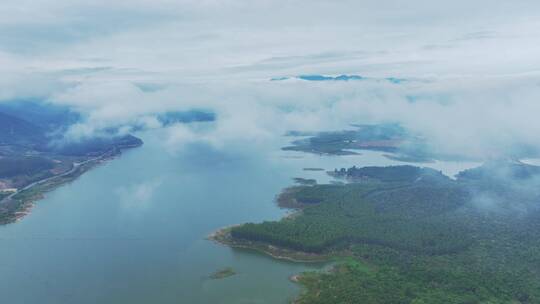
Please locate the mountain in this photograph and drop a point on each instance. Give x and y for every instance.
(501, 170)
(16, 131)
(48, 116)
(37, 126)
(326, 78)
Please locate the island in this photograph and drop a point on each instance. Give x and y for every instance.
(405, 234)
(395, 141)
(382, 137)
(223, 273)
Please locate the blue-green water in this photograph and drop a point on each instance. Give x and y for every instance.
(133, 230)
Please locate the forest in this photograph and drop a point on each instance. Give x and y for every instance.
(30, 165)
(419, 237)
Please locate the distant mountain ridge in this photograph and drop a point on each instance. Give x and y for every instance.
(342, 77)
(47, 116)
(41, 125)
(38, 127)
(16, 131)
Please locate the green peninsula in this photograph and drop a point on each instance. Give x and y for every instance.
(412, 235)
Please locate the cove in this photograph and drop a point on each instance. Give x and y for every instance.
(133, 230)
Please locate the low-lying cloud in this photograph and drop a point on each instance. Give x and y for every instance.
(475, 66)
(136, 198)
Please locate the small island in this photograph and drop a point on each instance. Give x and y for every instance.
(223, 273)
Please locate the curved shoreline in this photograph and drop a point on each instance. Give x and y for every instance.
(15, 209)
(223, 236)
(284, 200)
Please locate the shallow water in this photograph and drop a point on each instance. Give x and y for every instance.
(133, 230)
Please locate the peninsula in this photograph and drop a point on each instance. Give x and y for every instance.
(405, 234)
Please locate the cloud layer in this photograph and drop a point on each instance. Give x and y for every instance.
(474, 64)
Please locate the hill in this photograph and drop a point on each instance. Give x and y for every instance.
(16, 131)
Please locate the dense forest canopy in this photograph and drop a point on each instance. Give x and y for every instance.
(416, 236)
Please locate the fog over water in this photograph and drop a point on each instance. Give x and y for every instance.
(463, 76)
(435, 68)
(133, 230)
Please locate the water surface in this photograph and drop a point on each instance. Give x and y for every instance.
(133, 230)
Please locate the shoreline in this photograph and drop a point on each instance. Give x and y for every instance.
(284, 200)
(223, 236)
(13, 209)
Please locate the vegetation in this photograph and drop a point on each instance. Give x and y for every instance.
(385, 137)
(400, 144)
(13, 166)
(18, 206)
(415, 236)
(389, 174)
(17, 131)
(305, 181)
(34, 152)
(223, 273)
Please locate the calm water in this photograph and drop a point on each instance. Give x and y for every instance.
(133, 230)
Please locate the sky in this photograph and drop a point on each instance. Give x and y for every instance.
(472, 68)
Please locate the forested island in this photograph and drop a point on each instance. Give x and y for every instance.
(397, 142)
(404, 234)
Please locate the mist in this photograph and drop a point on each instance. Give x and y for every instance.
(470, 70)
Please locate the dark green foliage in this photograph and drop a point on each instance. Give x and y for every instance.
(415, 202)
(383, 137)
(386, 137)
(425, 240)
(390, 173)
(500, 171)
(306, 195)
(33, 149)
(13, 166)
(341, 215)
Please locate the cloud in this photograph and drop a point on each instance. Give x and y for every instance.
(475, 66)
(136, 198)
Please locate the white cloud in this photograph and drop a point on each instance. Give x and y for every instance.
(476, 64)
(136, 198)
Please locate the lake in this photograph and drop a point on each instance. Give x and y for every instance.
(133, 230)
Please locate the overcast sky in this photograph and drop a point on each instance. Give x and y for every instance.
(473, 67)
